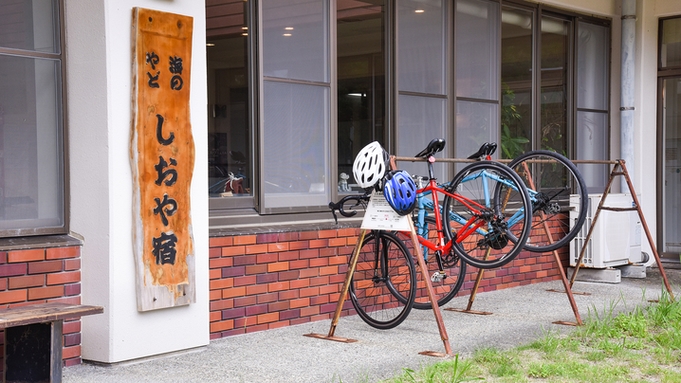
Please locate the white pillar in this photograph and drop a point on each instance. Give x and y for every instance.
(98, 81)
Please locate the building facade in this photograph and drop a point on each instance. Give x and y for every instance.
(283, 95)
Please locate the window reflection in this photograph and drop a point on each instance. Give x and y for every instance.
(230, 169)
(554, 86)
(516, 81)
(361, 81)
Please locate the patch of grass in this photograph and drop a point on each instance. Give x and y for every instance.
(614, 345)
(450, 371)
(498, 363)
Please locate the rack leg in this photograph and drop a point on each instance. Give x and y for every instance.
(346, 284)
(474, 292)
(431, 294)
(568, 289)
(478, 279)
(343, 295)
(645, 227)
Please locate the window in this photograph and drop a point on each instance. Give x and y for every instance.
(32, 194)
(422, 78)
(230, 134)
(592, 119)
(361, 63)
(298, 87)
(295, 105)
(477, 75)
(530, 78)
(669, 139)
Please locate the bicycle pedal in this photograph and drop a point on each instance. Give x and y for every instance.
(438, 276)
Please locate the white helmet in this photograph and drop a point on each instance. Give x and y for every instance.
(370, 165)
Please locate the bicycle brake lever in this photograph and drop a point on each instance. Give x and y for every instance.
(333, 208)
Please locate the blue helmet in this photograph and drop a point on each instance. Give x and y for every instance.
(400, 191)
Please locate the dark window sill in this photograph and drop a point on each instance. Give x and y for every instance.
(39, 242)
(264, 224)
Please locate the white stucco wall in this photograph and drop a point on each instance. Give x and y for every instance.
(99, 127)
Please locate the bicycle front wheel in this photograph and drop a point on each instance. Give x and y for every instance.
(383, 289)
(554, 184)
(445, 271)
(484, 214)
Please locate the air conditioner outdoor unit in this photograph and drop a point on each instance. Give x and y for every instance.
(616, 237)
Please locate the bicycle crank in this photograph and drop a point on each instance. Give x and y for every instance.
(450, 259)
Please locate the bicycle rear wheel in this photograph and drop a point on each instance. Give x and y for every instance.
(447, 272)
(554, 184)
(383, 289)
(486, 211)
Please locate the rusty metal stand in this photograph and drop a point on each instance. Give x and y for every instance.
(471, 299)
(343, 296)
(429, 285)
(621, 170)
(568, 290)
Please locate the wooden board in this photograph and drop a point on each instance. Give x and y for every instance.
(44, 312)
(162, 156)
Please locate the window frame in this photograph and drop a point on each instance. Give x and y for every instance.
(62, 122)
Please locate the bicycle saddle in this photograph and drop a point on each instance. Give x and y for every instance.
(487, 149)
(435, 146)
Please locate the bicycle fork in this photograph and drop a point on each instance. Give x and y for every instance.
(381, 258)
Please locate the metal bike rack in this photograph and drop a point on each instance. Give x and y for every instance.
(426, 277)
(468, 309)
(620, 169)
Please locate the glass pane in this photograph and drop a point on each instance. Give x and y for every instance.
(477, 49)
(516, 82)
(295, 39)
(295, 150)
(421, 46)
(592, 66)
(31, 171)
(361, 80)
(670, 46)
(553, 97)
(421, 119)
(476, 123)
(592, 138)
(31, 25)
(230, 167)
(671, 157)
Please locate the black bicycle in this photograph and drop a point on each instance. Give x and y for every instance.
(382, 289)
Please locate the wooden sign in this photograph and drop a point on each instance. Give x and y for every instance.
(162, 157)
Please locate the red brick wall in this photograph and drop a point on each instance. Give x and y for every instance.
(44, 275)
(265, 281)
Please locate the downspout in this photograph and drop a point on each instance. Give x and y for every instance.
(627, 88)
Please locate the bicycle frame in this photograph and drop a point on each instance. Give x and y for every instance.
(468, 226)
(428, 204)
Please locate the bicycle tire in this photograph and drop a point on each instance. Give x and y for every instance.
(552, 181)
(501, 197)
(445, 287)
(383, 277)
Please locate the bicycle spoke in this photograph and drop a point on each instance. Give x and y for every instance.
(382, 289)
(493, 235)
(555, 184)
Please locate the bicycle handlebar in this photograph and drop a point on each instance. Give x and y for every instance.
(360, 200)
